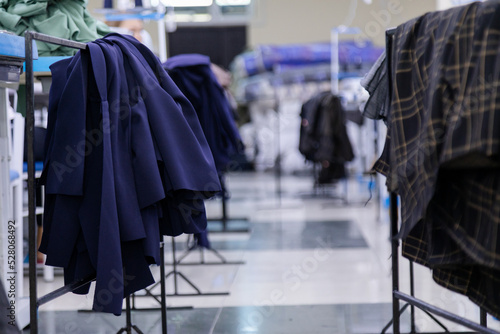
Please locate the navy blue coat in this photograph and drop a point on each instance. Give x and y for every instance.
(194, 77)
(126, 162)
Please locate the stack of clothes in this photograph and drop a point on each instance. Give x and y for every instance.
(68, 19)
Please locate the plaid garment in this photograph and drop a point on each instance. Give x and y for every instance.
(458, 238)
(442, 147)
(376, 84)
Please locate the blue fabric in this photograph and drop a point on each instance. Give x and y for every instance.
(13, 175)
(38, 166)
(194, 77)
(126, 162)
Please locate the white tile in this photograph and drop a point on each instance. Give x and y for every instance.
(295, 277)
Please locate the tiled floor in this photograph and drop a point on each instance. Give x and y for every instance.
(310, 264)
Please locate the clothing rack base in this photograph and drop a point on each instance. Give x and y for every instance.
(225, 220)
(203, 262)
(176, 275)
(130, 328)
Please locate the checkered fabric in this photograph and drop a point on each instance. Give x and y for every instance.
(442, 150)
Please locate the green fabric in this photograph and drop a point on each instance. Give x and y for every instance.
(27, 8)
(67, 19)
(9, 21)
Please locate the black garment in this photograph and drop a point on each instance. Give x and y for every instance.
(377, 85)
(109, 3)
(323, 136)
(443, 146)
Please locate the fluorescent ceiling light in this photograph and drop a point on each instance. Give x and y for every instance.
(187, 3)
(233, 2)
(193, 18)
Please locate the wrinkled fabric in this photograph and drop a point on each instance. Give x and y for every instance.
(68, 19)
(126, 162)
(194, 76)
(442, 151)
(376, 84)
(323, 136)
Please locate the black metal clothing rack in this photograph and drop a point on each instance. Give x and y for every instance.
(224, 220)
(30, 125)
(30, 37)
(410, 299)
(176, 274)
(202, 261)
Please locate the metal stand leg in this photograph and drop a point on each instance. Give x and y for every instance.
(163, 290)
(395, 262)
(224, 219)
(30, 124)
(483, 318)
(129, 327)
(160, 298)
(223, 260)
(175, 273)
(412, 293)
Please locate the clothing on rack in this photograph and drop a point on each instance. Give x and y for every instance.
(109, 3)
(442, 148)
(67, 19)
(194, 76)
(376, 84)
(126, 162)
(323, 136)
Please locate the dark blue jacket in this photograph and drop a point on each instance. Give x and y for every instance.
(126, 162)
(194, 77)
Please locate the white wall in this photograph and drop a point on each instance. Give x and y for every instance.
(445, 4)
(299, 21)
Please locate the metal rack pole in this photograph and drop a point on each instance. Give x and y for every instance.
(30, 36)
(30, 122)
(163, 290)
(395, 262)
(482, 317)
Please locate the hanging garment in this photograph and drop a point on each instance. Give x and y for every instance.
(323, 136)
(194, 76)
(377, 85)
(109, 3)
(442, 148)
(126, 162)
